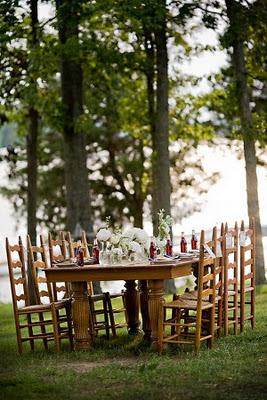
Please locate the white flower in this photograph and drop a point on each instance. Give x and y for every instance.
(117, 251)
(115, 238)
(141, 236)
(124, 244)
(129, 234)
(135, 247)
(103, 235)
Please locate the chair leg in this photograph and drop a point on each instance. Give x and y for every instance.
(43, 330)
(110, 313)
(211, 327)
(236, 314)
(91, 320)
(226, 325)
(219, 318)
(30, 329)
(125, 308)
(18, 333)
(161, 327)
(107, 307)
(252, 309)
(69, 322)
(198, 332)
(55, 328)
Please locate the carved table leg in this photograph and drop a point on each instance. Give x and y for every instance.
(144, 309)
(80, 316)
(155, 300)
(132, 306)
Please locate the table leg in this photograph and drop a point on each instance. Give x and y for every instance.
(155, 299)
(80, 316)
(144, 309)
(132, 306)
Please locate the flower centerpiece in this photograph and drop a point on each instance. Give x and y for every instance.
(122, 247)
(164, 228)
(103, 236)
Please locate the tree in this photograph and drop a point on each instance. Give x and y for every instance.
(33, 118)
(237, 14)
(75, 163)
(242, 18)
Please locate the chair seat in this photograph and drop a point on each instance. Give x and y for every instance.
(97, 297)
(193, 296)
(247, 289)
(190, 304)
(43, 307)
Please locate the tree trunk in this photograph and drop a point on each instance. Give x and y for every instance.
(32, 137)
(234, 12)
(160, 137)
(160, 141)
(75, 157)
(150, 78)
(76, 173)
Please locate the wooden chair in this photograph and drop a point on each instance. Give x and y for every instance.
(98, 303)
(107, 297)
(219, 273)
(192, 295)
(30, 318)
(230, 302)
(61, 310)
(247, 276)
(192, 320)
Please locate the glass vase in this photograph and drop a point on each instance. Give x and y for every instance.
(104, 255)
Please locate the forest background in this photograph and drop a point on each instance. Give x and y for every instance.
(106, 120)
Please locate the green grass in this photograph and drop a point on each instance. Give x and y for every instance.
(123, 368)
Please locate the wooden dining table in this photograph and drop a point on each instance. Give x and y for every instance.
(151, 276)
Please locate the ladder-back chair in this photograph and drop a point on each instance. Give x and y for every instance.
(106, 298)
(60, 310)
(192, 321)
(98, 303)
(30, 320)
(219, 273)
(218, 252)
(230, 303)
(247, 276)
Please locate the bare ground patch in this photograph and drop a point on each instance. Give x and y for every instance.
(84, 366)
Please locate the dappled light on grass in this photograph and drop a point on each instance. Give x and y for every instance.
(126, 368)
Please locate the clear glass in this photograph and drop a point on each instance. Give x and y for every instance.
(104, 255)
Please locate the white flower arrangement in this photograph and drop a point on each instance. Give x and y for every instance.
(131, 245)
(103, 235)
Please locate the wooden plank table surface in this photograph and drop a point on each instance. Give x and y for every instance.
(151, 276)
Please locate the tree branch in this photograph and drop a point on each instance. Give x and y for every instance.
(41, 26)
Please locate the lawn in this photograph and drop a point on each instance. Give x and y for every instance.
(123, 368)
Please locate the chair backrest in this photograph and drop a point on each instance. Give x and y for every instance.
(231, 257)
(17, 274)
(75, 244)
(58, 252)
(37, 261)
(247, 254)
(207, 268)
(57, 248)
(220, 261)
